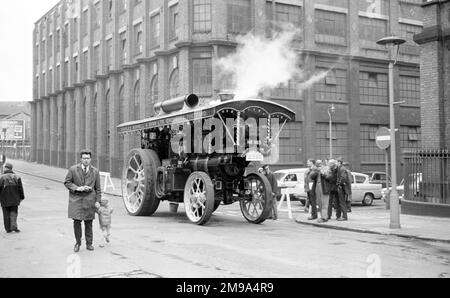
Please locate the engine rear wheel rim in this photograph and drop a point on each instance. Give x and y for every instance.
(135, 183)
(195, 199)
(254, 207)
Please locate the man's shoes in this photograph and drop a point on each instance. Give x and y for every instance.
(312, 218)
(8, 232)
(16, 230)
(90, 247)
(76, 248)
(342, 219)
(107, 239)
(322, 220)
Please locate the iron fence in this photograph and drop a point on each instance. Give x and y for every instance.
(17, 152)
(427, 174)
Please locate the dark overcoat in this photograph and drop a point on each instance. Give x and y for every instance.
(11, 190)
(325, 180)
(82, 204)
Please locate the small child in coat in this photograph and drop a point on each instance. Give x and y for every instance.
(104, 216)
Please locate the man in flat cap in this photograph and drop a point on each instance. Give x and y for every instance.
(11, 195)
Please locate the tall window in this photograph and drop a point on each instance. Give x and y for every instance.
(370, 153)
(65, 73)
(291, 143)
(107, 132)
(202, 16)
(137, 101)
(58, 41)
(94, 125)
(331, 27)
(85, 64)
(123, 48)
(122, 6)
(174, 84)
(154, 93)
(284, 16)
(155, 30)
(410, 137)
(97, 15)
(371, 30)
(76, 67)
(75, 28)
(333, 86)
(110, 8)
(109, 54)
(289, 90)
(173, 21)
(138, 34)
(339, 140)
(410, 90)
(58, 77)
(50, 46)
(239, 16)
(97, 58)
(85, 23)
(373, 88)
(66, 35)
(122, 104)
(202, 76)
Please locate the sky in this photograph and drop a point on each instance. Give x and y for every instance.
(17, 18)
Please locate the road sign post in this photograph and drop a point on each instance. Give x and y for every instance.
(383, 140)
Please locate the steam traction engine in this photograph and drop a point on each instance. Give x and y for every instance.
(176, 162)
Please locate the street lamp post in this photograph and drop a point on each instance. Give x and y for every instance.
(331, 111)
(393, 42)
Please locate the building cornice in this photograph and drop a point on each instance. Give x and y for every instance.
(130, 66)
(102, 76)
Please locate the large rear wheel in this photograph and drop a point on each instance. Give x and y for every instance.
(139, 182)
(199, 198)
(256, 207)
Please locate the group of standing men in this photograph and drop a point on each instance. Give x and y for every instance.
(327, 185)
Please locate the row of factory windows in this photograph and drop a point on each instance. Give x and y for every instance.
(330, 27)
(291, 142)
(373, 87)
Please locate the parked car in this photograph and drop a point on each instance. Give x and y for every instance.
(378, 178)
(363, 191)
(295, 179)
(401, 187)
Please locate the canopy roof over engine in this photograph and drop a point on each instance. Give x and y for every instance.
(247, 108)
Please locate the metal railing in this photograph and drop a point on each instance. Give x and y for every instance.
(17, 152)
(427, 174)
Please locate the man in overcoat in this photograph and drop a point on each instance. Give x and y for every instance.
(11, 195)
(83, 183)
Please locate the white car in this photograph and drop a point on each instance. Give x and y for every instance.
(363, 191)
(295, 179)
(414, 189)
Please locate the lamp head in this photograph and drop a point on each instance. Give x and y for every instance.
(332, 109)
(391, 41)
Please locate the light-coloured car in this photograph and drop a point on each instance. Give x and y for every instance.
(414, 189)
(363, 191)
(295, 179)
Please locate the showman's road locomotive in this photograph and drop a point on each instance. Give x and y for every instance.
(181, 159)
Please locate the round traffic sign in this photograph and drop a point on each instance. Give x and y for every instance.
(383, 138)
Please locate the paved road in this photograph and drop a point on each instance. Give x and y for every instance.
(167, 245)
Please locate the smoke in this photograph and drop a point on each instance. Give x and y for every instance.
(261, 63)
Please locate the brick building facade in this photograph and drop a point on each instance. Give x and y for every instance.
(105, 62)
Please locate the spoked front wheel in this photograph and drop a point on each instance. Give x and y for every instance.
(256, 206)
(199, 198)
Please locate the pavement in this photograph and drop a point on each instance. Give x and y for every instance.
(361, 220)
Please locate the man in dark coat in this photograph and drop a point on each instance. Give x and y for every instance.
(11, 195)
(83, 183)
(342, 183)
(308, 182)
(275, 191)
